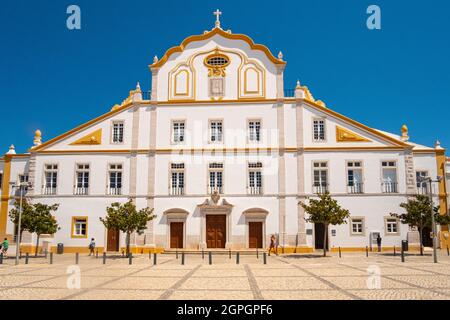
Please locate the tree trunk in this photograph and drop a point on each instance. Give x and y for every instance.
(420, 240)
(128, 244)
(37, 245)
(325, 233)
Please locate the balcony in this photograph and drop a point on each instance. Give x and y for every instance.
(217, 189)
(355, 188)
(422, 189)
(114, 191)
(81, 191)
(48, 190)
(254, 190)
(389, 187)
(177, 191)
(320, 188)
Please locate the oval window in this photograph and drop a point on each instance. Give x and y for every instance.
(217, 60)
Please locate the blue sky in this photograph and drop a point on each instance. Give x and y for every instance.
(55, 79)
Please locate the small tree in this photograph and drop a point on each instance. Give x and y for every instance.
(418, 214)
(126, 218)
(327, 211)
(43, 221)
(27, 216)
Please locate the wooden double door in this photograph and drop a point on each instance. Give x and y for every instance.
(176, 235)
(216, 231)
(255, 235)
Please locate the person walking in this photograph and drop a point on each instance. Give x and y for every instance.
(92, 246)
(5, 247)
(379, 243)
(272, 243)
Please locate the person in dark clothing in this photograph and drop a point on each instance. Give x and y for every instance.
(379, 243)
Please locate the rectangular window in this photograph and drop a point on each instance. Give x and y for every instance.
(117, 132)
(79, 227)
(254, 131)
(354, 177)
(177, 179)
(357, 226)
(115, 179)
(82, 179)
(51, 178)
(320, 176)
(391, 226)
(178, 131)
(421, 185)
(389, 182)
(255, 178)
(319, 129)
(215, 128)
(215, 177)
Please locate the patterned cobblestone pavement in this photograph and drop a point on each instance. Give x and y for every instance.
(354, 276)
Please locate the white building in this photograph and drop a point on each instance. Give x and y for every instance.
(224, 154)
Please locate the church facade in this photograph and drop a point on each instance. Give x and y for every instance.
(224, 154)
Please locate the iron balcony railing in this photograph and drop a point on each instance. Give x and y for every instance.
(355, 188)
(48, 190)
(81, 191)
(177, 191)
(389, 187)
(115, 191)
(146, 95)
(212, 189)
(320, 188)
(289, 93)
(422, 189)
(254, 190)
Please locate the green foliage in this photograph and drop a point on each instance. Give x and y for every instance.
(36, 218)
(325, 210)
(27, 215)
(126, 218)
(418, 212)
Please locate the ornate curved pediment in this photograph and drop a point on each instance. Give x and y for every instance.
(215, 203)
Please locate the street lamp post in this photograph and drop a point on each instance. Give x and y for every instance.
(21, 186)
(429, 180)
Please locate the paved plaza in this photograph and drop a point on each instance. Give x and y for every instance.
(354, 276)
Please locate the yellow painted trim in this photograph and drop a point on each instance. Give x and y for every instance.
(5, 196)
(257, 78)
(175, 83)
(72, 232)
(84, 249)
(357, 124)
(93, 138)
(210, 34)
(440, 163)
(80, 127)
(345, 135)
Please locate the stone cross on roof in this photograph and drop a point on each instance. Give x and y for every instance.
(217, 13)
